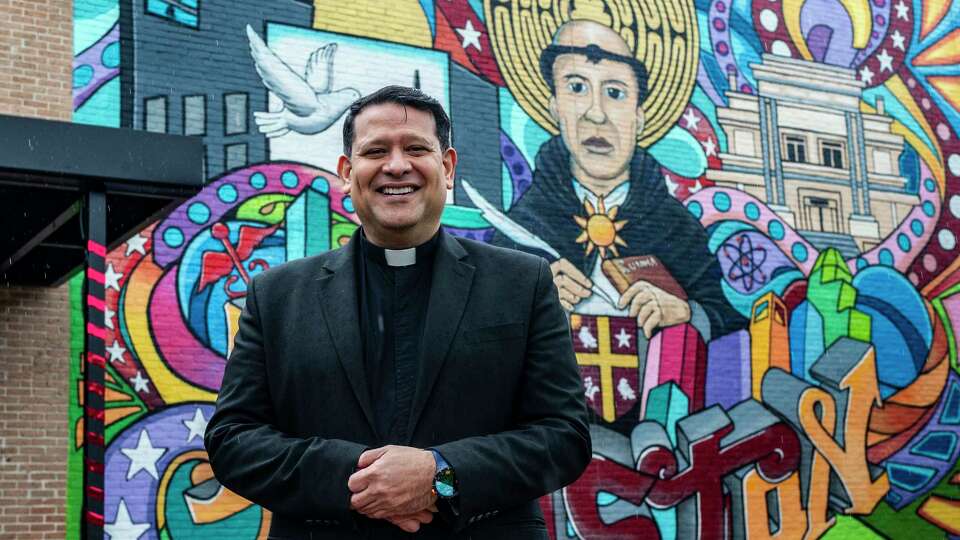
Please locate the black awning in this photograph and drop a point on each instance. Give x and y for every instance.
(47, 167)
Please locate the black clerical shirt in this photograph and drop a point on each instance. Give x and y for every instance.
(393, 306)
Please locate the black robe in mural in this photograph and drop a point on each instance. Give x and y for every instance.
(657, 224)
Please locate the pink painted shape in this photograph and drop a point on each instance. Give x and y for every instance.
(651, 374)
(183, 353)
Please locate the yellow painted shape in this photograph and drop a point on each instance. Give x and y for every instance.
(933, 12)
(945, 52)
(398, 21)
(792, 519)
(860, 14)
(791, 18)
(769, 341)
(949, 87)
(606, 360)
(171, 388)
(849, 460)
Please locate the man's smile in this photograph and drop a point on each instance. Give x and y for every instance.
(395, 191)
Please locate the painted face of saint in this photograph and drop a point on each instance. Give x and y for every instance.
(596, 104)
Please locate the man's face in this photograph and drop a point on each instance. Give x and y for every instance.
(396, 175)
(596, 106)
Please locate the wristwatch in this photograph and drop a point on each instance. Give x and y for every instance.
(445, 480)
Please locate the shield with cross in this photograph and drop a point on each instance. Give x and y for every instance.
(610, 352)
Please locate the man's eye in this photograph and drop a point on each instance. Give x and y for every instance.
(616, 93)
(374, 152)
(577, 87)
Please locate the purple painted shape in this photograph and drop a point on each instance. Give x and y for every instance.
(719, 17)
(942, 467)
(704, 81)
(879, 9)
(749, 265)
(480, 235)
(183, 353)
(728, 370)
(93, 57)
(520, 174)
(166, 430)
(240, 179)
(830, 13)
(818, 40)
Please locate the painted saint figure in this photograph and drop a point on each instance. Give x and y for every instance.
(594, 169)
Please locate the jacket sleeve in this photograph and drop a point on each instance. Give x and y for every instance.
(549, 447)
(299, 477)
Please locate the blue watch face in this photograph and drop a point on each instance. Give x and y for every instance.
(445, 483)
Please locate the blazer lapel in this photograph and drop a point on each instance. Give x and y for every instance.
(449, 291)
(337, 291)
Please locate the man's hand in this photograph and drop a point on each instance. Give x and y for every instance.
(653, 307)
(411, 523)
(572, 285)
(393, 481)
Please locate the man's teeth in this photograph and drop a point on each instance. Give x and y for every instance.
(397, 190)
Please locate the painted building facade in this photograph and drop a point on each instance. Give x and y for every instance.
(809, 148)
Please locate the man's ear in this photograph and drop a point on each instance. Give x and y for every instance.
(554, 113)
(449, 166)
(641, 121)
(343, 170)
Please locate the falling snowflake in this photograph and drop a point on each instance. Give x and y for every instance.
(586, 338)
(626, 392)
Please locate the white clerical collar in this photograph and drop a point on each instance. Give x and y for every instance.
(614, 198)
(400, 257)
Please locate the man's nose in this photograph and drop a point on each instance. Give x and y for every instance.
(397, 164)
(595, 112)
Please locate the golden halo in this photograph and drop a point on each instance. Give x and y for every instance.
(663, 34)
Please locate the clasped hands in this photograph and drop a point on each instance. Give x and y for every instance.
(395, 483)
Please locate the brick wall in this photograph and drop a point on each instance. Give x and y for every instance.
(35, 56)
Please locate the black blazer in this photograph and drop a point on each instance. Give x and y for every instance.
(498, 394)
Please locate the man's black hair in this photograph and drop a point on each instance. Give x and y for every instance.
(594, 55)
(401, 95)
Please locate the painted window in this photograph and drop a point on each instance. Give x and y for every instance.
(796, 148)
(235, 114)
(235, 155)
(185, 12)
(831, 154)
(155, 114)
(194, 115)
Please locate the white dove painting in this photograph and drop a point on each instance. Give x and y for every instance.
(310, 104)
(313, 76)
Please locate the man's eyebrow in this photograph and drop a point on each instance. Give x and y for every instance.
(616, 81)
(572, 75)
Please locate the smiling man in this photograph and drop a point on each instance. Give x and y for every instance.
(594, 167)
(407, 374)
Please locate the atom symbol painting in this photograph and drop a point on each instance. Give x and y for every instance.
(746, 262)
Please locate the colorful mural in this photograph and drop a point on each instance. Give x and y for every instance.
(750, 207)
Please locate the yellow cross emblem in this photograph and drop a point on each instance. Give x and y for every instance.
(606, 360)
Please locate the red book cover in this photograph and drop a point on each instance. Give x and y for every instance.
(626, 271)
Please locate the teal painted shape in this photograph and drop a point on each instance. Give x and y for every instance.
(605, 498)
(102, 108)
(242, 525)
(680, 152)
(951, 408)
(666, 521)
(308, 225)
(936, 445)
(909, 477)
(666, 405)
